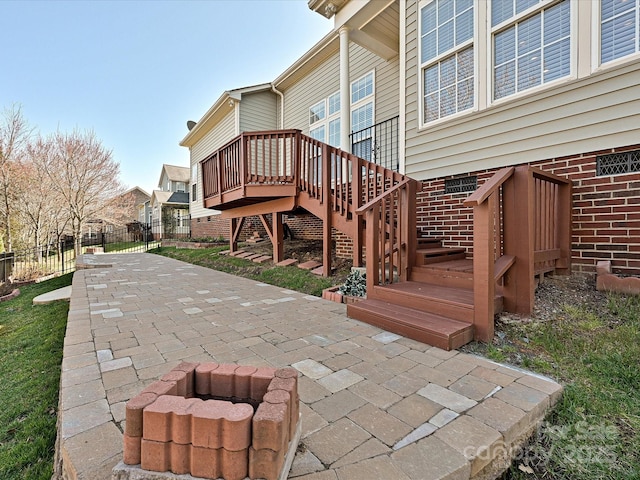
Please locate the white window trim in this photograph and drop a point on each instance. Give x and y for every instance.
(596, 47)
(573, 46)
(421, 67)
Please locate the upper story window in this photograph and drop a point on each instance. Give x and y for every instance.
(363, 115)
(531, 44)
(324, 120)
(619, 29)
(317, 113)
(447, 57)
(324, 116)
(362, 88)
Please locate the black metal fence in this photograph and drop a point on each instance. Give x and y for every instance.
(60, 258)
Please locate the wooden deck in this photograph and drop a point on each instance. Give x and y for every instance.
(415, 286)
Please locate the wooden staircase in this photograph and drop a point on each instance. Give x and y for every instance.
(435, 306)
(415, 286)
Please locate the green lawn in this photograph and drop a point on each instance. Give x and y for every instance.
(591, 343)
(31, 340)
(286, 277)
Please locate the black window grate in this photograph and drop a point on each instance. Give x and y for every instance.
(618, 163)
(460, 185)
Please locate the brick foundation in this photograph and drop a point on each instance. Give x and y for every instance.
(304, 226)
(606, 212)
(214, 421)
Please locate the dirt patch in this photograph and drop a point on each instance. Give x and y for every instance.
(553, 297)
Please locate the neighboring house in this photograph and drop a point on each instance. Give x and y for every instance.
(449, 92)
(144, 212)
(140, 198)
(169, 204)
(122, 211)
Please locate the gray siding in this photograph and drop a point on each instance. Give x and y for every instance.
(599, 111)
(214, 139)
(325, 80)
(258, 111)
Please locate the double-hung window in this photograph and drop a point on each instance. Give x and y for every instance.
(317, 116)
(362, 116)
(324, 120)
(531, 44)
(447, 57)
(619, 29)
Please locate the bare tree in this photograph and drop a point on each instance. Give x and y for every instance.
(14, 135)
(86, 178)
(41, 212)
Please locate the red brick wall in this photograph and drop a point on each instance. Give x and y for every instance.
(303, 226)
(606, 212)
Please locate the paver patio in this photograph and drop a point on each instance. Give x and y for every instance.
(373, 404)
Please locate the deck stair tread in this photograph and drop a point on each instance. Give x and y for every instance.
(422, 326)
(436, 251)
(433, 274)
(460, 296)
(451, 302)
(462, 265)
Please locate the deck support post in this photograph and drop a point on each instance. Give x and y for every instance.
(275, 232)
(278, 237)
(519, 240)
(564, 225)
(373, 256)
(358, 220)
(326, 210)
(234, 232)
(483, 268)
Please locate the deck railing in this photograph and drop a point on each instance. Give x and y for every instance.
(379, 143)
(289, 157)
(521, 227)
(339, 181)
(390, 235)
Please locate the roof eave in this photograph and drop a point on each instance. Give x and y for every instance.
(216, 112)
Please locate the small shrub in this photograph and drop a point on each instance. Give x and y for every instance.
(355, 285)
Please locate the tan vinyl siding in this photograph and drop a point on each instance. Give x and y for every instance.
(325, 81)
(321, 83)
(214, 139)
(587, 114)
(258, 111)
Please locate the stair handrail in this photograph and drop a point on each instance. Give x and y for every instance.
(489, 187)
(521, 228)
(390, 233)
(487, 249)
(362, 210)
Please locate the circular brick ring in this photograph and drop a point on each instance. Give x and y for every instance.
(214, 421)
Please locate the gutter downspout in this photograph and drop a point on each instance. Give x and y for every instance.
(281, 95)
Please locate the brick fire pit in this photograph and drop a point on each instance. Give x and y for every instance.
(214, 421)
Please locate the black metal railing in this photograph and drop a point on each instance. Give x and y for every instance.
(378, 144)
(60, 258)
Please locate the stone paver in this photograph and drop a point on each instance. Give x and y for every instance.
(373, 404)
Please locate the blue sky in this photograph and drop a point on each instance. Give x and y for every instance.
(135, 71)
